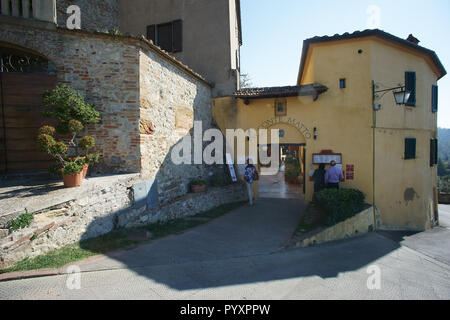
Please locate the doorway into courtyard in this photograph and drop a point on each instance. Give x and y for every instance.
(24, 77)
(288, 181)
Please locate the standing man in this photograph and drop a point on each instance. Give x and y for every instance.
(249, 176)
(333, 176)
(319, 178)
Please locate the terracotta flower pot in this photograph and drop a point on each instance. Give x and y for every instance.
(84, 171)
(73, 181)
(198, 188)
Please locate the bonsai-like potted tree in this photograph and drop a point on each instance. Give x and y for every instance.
(198, 185)
(72, 152)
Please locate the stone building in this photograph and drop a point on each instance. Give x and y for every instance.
(148, 101)
(147, 98)
(204, 34)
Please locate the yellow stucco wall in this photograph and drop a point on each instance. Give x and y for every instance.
(405, 189)
(344, 121)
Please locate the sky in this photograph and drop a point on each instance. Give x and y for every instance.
(274, 30)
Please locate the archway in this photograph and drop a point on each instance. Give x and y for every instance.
(288, 181)
(24, 77)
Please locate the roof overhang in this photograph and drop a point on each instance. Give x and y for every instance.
(313, 90)
(429, 55)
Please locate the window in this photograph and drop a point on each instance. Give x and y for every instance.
(434, 98)
(342, 83)
(433, 152)
(280, 108)
(410, 148)
(168, 36)
(410, 84)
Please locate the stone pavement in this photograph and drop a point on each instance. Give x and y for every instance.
(337, 270)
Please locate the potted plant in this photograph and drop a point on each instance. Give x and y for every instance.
(72, 150)
(291, 175)
(198, 185)
(220, 180)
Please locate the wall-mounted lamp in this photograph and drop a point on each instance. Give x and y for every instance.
(315, 133)
(401, 95)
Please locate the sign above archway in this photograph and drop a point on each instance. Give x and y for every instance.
(286, 120)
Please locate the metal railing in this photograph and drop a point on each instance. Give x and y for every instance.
(44, 10)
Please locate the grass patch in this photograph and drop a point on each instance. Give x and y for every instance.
(117, 240)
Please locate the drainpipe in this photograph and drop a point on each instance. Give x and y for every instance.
(374, 126)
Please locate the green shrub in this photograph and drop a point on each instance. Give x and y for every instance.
(292, 173)
(72, 167)
(339, 204)
(73, 113)
(292, 161)
(65, 104)
(22, 221)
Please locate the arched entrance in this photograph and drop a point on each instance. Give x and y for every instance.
(24, 77)
(288, 181)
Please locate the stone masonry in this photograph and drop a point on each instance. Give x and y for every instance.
(148, 101)
(99, 208)
(96, 15)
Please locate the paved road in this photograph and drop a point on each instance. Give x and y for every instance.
(332, 271)
(444, 215)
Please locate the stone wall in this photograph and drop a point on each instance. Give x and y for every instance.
(135, 86)
(96, 15)
(105, 70)
(170, 101)
(360, 224)
(99, 209)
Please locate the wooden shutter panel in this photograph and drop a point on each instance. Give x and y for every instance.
(410, 84)
(434, 98)
(433, 152)
(410, 148)
(151, 33)
(177, 37)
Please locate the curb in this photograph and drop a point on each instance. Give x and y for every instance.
(20, 275)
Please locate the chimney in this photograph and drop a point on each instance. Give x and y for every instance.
(413, 39)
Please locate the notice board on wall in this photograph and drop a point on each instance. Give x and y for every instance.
(326, 158)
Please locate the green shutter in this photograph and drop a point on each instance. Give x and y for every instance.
(410, 148)
(434, 98)
(410, 84)
(433, 152)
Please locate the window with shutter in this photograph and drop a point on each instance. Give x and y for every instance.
(434, 98)
(151, 33)
(167, 36)
(177, 41)
(410, 84)
(433, 152)
(410, 148)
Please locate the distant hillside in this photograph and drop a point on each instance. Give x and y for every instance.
(444, 144)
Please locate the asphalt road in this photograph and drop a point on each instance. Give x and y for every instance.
(338, 270)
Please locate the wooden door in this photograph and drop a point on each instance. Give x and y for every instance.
(21, 118)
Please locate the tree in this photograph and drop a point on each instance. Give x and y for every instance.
(442, 170)
(245, 81)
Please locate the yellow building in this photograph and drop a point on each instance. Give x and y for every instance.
(341, 108)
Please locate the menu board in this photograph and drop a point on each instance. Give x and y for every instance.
(326, 158)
